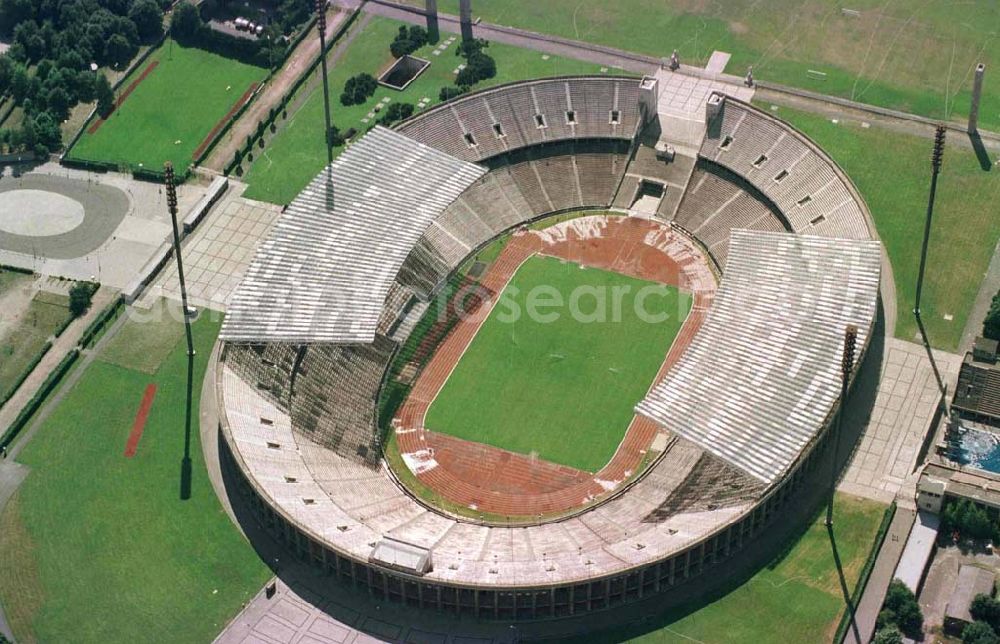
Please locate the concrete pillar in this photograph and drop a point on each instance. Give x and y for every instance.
(977, 92)
(465, 17)
(433, 29)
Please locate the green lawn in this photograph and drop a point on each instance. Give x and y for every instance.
(558, 384)
(912, 56)
(20, 346)
(296, 154)
(892, 171)
(171, 111)
(795, 598)
(95, 547)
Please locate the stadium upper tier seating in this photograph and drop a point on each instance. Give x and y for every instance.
(812, 193)
(521, 186)
(510, 117)
(717, 202)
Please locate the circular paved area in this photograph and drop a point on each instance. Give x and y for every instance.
(57, 217)
(37, 213)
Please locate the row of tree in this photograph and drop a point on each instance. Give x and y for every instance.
(47, 70)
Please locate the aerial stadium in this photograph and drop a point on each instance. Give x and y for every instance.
(376, 431)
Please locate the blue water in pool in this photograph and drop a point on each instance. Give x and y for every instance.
(978, 449)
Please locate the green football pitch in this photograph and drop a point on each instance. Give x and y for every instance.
(171, 111)
(561, 381)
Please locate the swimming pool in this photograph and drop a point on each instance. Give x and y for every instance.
(977, 448)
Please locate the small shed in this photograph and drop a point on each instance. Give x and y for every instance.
(972, 581)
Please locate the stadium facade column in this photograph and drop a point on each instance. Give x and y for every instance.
(977, 94)
(465, 17)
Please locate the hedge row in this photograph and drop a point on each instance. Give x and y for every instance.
(17, 269)
(98, 324)
(866, 572)
(36, 401)
(26, 372)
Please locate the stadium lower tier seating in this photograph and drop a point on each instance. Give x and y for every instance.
(520, 186)
(718, 201)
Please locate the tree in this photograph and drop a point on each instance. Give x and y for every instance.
(105, 96)
(467, 48)
(396, 112)
(45, 132)
(449, 92)
(358, 89)
(979, 633)
(986, 609)
(479, 67)
(888, 635)
(991, 325)
(185, 22)
(148, 19)
(119, 50)
(903, 609)
(80, 295)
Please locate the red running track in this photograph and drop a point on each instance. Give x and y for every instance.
(498, 481)
(125, 94)
(222, 122)
(140, 420)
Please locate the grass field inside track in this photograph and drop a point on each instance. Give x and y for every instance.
(296, 153)
(795, 598)
(171, 111)
(96, 547)
(911, 56)
(560, 385)
(892, 171)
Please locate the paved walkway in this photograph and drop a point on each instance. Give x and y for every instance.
(899, 422)
(271, 95)
(60, 347)
(987, 289)
(885, 566)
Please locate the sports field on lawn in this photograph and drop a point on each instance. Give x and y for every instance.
(892, 171)
(171, 111)
(562, 381)
(296, 153)
(795, 598)
(912, 56)
(97, 547)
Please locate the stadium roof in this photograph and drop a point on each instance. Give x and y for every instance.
(758, 381)
(325, 270)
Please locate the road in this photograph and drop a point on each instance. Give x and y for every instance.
(276, 88)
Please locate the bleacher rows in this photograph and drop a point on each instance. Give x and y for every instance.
(520, 187)
(518, 115)
(714, 204)
(799, 178)
(351, 504)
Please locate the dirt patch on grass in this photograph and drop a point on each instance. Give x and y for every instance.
(21, 591)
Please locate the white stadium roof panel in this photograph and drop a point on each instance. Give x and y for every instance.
(325, 270)
(759, 379)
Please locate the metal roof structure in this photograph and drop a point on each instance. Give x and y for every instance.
(325, 270)
(759, 380)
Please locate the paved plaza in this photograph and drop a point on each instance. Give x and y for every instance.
(218, 252)
(123, 223)
(904, 408)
